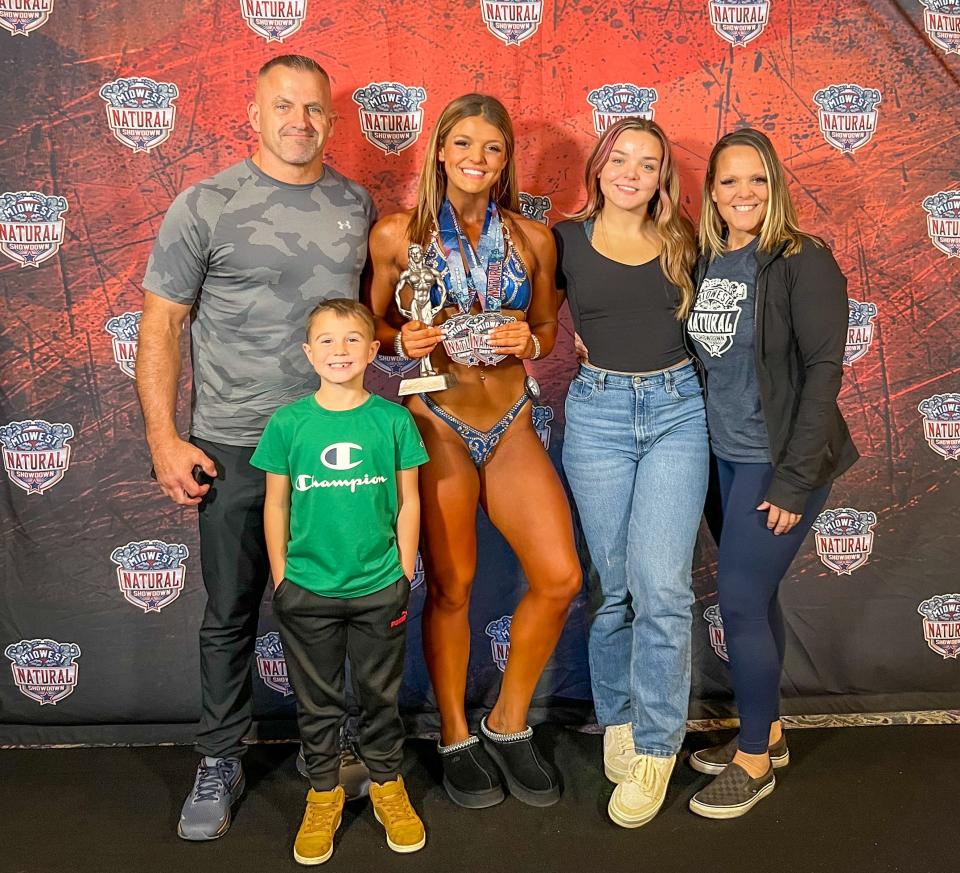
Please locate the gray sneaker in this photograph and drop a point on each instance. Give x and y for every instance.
(732, 794)
(354, 775)
(206, 811)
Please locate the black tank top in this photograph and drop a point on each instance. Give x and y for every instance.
(625, 315)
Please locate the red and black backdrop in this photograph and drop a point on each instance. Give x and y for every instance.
(108, 110)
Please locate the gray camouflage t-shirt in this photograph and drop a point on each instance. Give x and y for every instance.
(254, 256)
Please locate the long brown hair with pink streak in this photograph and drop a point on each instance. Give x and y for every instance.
(678, 254)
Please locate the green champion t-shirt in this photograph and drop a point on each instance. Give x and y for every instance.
(343, 495)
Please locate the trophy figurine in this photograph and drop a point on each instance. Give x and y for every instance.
(421, 277)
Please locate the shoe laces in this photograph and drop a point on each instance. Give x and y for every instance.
(646, 775)
(212, 781)
(396, 808)
(623, 737)
(320, 816)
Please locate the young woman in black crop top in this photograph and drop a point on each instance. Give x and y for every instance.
(635, 452)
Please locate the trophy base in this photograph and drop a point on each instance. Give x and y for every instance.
(425, 384)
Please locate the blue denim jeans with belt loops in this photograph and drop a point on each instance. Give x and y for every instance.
(636, 456)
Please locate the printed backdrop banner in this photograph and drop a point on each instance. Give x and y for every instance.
(109, 110)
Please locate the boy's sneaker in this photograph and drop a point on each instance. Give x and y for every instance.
(393, 810)
(354, 775)
(733, 793)
(469, 776)
(637, 799)
(321, 818)
(529, 778)
(713, 760)
(618, 751)
(218, 785)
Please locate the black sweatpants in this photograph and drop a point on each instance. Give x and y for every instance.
(235, 567)
(318, 634)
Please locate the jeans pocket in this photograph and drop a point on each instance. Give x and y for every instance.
(687, 386)
(581, 389)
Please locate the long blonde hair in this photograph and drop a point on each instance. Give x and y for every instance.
(780, 222)
(432, 185)
(679, 251)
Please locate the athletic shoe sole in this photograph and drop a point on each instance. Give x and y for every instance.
(226, 822)
(615, 774)
(531, 797)
(711, 769)
(312, 862)
(620, 818)
(396, 847)
(473, 800)
(724, 812)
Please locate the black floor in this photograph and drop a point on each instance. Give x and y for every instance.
(854, 799)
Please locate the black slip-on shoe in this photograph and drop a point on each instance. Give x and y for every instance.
(529, 778)
(712, 761)
(469, 776)
(733, 793)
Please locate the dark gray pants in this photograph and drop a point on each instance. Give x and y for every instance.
(233, 560)
(318, 634)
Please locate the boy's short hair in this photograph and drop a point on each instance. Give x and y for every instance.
(343, 308)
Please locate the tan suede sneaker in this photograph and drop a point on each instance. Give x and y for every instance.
(637, 799)
(618, 751)
(314, 842)
(393, 810)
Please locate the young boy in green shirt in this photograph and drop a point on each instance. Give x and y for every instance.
(342, 520)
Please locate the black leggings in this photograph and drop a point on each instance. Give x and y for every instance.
(751, 565)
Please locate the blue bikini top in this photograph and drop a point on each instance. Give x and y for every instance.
(515, 284)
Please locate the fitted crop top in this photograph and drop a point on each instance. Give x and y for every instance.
(515, 290)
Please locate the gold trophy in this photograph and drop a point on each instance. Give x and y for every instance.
(421, 277)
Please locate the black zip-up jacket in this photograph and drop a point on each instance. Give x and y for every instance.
(800, 323)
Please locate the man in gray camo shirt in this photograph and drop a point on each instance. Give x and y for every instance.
(246, 255)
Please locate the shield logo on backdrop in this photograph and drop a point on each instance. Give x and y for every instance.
(848, 115)
(624, 100)
(941, 20)
(943, 221)
(125, 330)
(717, 639)
(274, 20)
(499, 633)
(535, 206)
(20, 17)
(512, 21)
(542, 416)
(150, 572)
(44, 670)
(31, 226)
(35, 453)
(140, 112)
(739, 21)
(390, 114)
(941, 624)
(859, 330)
(941, 424)
(271, 665)
(844, 538)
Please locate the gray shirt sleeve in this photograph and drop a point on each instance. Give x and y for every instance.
(178, 262)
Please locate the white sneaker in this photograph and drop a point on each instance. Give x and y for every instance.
(618, 751)
(637, 799)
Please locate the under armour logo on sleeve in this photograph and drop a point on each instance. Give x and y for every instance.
(344, 225)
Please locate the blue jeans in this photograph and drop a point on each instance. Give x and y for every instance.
(636, 455)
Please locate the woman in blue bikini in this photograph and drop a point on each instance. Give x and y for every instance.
(498, 272)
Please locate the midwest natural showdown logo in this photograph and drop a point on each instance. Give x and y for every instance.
(150, 572)
(535, 206)
(718, 640)
(390, 114)
(125, 331)
(21, 17)
(844, 538)
(44, 670)
(140, 111)
(848, 115)
(499, 632)
(274, 20)
(512, 21)
(621, 100)
(35, 453)
(943, 221)
(859, 330)
(941, 424)
(31, 226)
(941, 20)
(739, 21)
(941, 624)
(271, 665)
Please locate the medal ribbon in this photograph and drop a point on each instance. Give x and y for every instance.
(483, 274)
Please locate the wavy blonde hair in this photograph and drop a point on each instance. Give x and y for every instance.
(678, 254)
(780, 221)
(432, 185)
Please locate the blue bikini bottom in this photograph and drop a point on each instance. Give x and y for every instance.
(480, 443)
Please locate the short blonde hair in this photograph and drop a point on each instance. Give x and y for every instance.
(343, 308)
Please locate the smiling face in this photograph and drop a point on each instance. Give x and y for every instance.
(292, 115)
(740, 191)
(631, 175)
(340, 348)
(473, 155)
